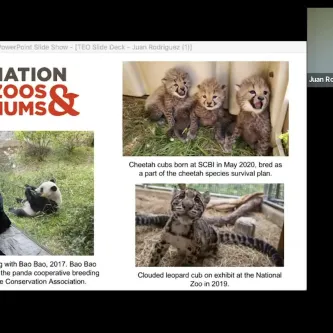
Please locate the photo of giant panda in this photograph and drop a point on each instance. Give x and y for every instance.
(46, 198)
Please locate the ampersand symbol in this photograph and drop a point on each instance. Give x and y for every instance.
(56, 99)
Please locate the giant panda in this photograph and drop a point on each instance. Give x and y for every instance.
(46, 198)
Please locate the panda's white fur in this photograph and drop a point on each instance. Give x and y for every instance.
(34, 204)
(28, 210)
(46, 191)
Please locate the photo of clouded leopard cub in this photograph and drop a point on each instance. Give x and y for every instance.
(253, 122)
(171, 97)
(187, 230)
(208, 108)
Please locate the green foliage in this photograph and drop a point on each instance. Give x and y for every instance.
(42, 138)
(38, 144)
(70, 231)
(35, 143)
(141, 137)
(69, 140)
(78, 233)
(285, 141)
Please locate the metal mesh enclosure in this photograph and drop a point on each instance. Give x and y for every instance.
(233, 190)
(274, 193)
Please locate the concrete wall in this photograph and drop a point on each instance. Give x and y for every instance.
(274, 215)
(7, 139)
(5, 135)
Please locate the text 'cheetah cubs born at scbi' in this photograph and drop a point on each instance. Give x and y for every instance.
(171, 97)
(253, 121)
(188, 231)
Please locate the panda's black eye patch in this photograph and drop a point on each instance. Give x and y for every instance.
(54, 188)
(41, 190)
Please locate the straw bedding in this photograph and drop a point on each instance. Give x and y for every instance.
(155, 202)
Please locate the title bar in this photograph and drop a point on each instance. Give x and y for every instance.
(153, 47)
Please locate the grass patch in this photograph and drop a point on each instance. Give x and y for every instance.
(141, 137)
(70, 231)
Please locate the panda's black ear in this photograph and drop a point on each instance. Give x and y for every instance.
(52, 180)
(54, 188)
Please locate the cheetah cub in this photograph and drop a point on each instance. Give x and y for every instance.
(208, 108)
(182, 123)
(253, 121)
(171, 97)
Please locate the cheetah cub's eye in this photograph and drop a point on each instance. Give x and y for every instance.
(184, 82)
(204, 96)
(265, 92)
(214, 96)
(176, 85)
(252, 92)
(196, 199)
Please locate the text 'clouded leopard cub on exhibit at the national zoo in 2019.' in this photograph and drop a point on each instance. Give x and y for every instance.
(183, 118)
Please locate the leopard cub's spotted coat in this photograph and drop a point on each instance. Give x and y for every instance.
(187, 230)
(171, 97)
(253, 122)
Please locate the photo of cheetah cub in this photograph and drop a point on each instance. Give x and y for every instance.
(253, 121)
(171, 97)
(208, 108)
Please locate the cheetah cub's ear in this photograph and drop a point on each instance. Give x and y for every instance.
(237, 87)
(223, 87)
(164, 80)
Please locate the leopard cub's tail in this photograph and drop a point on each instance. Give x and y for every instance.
(255, 243)
(156, 220)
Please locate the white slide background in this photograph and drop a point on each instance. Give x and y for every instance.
(97, 78)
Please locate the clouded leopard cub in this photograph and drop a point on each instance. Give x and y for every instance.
(188, 231)
(253, 121)
(171, 97)
(208, 108)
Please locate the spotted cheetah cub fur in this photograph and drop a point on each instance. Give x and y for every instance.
(253, 122)
(208, 108)
(182, 123)
(171, 97)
